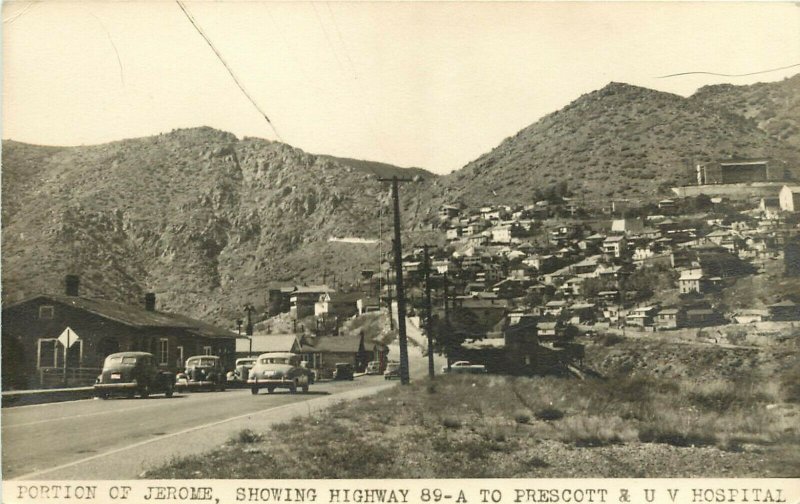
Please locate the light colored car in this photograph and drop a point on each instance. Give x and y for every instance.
(373, 367)
(279, 370)
(241, 371)
(392, 371)
(465, 367)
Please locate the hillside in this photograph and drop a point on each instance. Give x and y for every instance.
(621, 141)
(773, 107)
(203, 219)
(208, 221)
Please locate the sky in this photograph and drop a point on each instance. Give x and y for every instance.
(433, 85)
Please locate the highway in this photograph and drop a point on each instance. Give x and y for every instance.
(122, 438)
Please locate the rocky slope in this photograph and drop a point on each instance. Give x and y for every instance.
(203, 219)
(624, 141)
(773, 107)
(208, 221)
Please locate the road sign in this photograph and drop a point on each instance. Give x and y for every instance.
(68, 338)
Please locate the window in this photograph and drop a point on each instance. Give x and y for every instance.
(163, 351)
(207, 350)
(180, 356)
(46, 312)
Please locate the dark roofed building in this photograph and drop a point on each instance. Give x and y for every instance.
(97, 328)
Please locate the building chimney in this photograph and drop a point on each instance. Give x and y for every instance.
(72, 285)
(150, 301)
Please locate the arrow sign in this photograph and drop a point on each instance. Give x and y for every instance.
(68, 338)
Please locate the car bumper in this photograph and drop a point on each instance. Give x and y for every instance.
(271, 382)
(108, 388)
(195, 384)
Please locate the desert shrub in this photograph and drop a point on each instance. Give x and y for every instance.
(721, 396)
(680, 428)
(451, 422)
(549, 414)
(247, 436)
(590, 431)
(522, 417)
(790, 384)
(610, 339)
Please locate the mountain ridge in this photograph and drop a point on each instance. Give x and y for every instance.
(209, 221)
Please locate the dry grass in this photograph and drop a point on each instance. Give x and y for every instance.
(491, 426)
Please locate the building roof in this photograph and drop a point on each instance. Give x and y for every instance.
(700, 311)
(312, 289)
(133, 315)
(691, 275)
(345, 343)
(263, 343)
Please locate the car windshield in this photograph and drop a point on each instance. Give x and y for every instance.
(392, 366)
(275, 360)
(201, 362)
(245, 362)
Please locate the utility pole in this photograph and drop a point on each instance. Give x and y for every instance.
(428, 309)
(248, 308)
(398, 267)
(389, 296)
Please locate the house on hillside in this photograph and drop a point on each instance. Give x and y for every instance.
(339, 304)
(368, 304)
(614, 246)
(790, 198)
(702, 317)
(38, 333)
(670, 318)
(643, 316)
(303, 298)
(692, 280)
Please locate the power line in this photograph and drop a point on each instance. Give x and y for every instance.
(730, 75)
(113, 45)
(227, 67)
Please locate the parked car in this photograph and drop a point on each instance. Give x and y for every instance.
(374, 367)
(343, 371)
(465, 367)
(131, 373)
(279, 370)
(202, 372)
(241, 371)
(392, 371)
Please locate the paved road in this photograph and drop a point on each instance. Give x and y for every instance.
(121, 438)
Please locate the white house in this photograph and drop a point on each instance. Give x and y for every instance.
(790, 198)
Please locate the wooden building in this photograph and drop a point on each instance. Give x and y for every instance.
(44, 330)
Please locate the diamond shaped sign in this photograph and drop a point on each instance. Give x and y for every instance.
(68, 337)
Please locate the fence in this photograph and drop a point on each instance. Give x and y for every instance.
(52, 377)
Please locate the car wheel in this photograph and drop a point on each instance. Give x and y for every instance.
(305, 388)
(103, 396)
(131, 394)
(144, 392)
(270, 390)
(254, 390)
(293, 388)
(170, 390)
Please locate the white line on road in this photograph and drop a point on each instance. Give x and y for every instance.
(36, 474)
